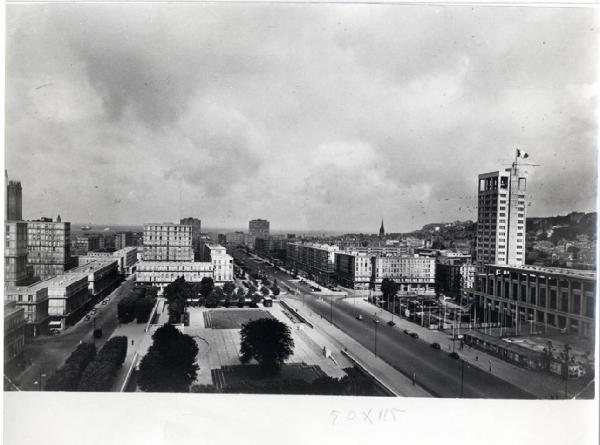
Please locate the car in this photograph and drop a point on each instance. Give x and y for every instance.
(88, 317)
(359, 317)
(435, 345)
(454, 355)
(406, 331)
(414, 335)
(391, 323)
(93, 312)
(105, 302)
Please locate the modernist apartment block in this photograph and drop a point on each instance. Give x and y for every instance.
(552, 298)
(258, 228)
(315, 259)
(353, 270)
(163, 273)
(126, 259)
(34, 301)
(501, 218)
(48, 247)
(414, 274)
(68, 296)
(454, 272)
(102, 276)
(167, 242)
(196, 230)
(14, 335)
(221, 261)
(15, 253)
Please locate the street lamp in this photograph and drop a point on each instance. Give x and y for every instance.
(462, 377)
(376, 325)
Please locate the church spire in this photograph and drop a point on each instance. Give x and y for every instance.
(381, 229)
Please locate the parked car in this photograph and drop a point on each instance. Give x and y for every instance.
(435, 345)
(454, 355)
(104, 302)
(88, 317)
(414, 335)
(391, 323)
(359, 317)
(406, 331)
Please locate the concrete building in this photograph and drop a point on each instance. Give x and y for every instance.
(163, 273)
(549, 298)
(353, 270)
(501, 218)
(87, 243)
(124, 239)
(317, 260)
(68, 297)
(167, 242)
(102, 276)
(234, 238)
(414, 274)
(126, 259)
(454, 272)
(258, 228)
(48, 247)
(221, 261)
(16, 270)
(14, 336)
(34, 301)
(14, 201)
(196, 231)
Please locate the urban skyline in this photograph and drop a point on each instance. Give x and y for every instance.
(404, 135)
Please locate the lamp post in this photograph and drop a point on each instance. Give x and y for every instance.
(462, 377)
(331, 309)
(39, 382)
(567, 349)
(376, 322)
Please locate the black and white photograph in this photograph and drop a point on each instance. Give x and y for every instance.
(376, 201)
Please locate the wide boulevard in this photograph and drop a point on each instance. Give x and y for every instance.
(433, 369)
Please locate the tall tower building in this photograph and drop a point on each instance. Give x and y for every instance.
(14, 201)
(501, 218)
(259, 228)
(48, 247)
(196, 230)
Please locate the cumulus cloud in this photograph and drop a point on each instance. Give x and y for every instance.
(312, 116)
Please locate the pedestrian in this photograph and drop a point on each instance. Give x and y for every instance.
(490, 365)
(476, 358)
(131, 342)
(414, 378)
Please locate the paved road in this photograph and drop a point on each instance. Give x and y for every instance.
(49, 352)
(433, 369)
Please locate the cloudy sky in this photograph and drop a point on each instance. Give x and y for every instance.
(323, 117)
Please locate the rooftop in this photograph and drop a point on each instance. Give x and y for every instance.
(92, 266)
(587, 274)
(26, 289)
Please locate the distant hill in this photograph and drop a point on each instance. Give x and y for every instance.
(567, 227)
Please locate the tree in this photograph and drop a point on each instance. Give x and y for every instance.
(275, 290)
(388, 289)
(268, 341)
(228, 288)
(126, 308)
(100, 374)
(206, 286)
(170, 364)
(264, 291)
(143, 308)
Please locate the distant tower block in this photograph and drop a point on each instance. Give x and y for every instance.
(14, 201)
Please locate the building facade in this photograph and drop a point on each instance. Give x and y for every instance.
(14, 201)
(163, 273)
(317, 260)
(550, 298)
(196, 231)
(126, 259)
(16, 270)
(259, 228)
(221, 261)
(454, 272)
(501, 218)
(48, 247)
(353, 270)
(14, 336)
(414, 274)
(124, 239)
(34, 301)
(167, 242)
(68, 297)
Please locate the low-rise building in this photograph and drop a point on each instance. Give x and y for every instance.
(126, 259)
(102, 276)
(163, 273)
(547, 297)
(34, 301)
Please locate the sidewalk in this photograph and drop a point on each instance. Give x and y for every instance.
(538, 384)
(379, 368)
(141, 342)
